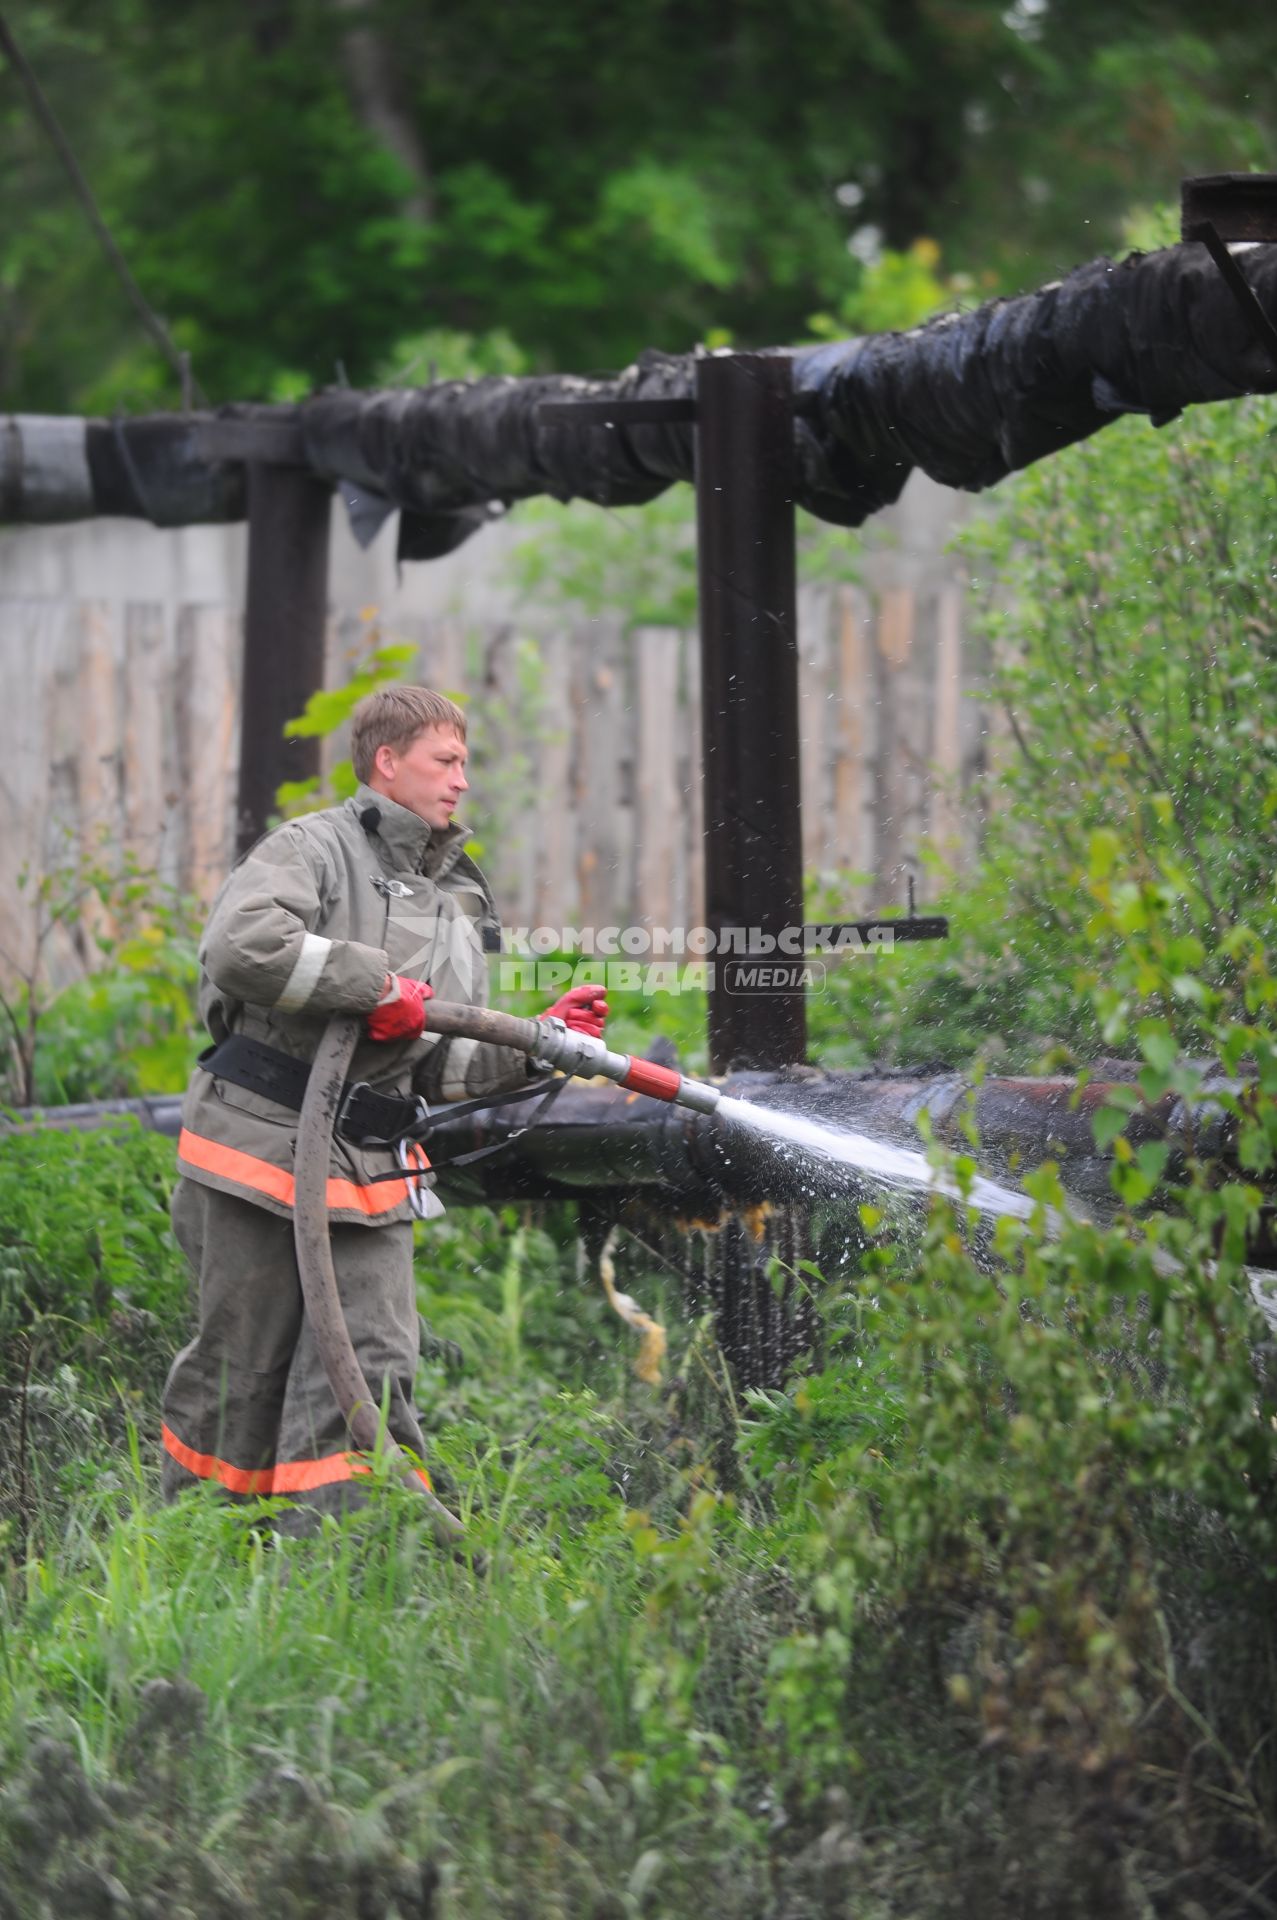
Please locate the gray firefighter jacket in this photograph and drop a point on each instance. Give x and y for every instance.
(309, 924)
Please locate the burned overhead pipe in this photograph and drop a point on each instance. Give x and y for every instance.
(551, 1044)
(969, 398)
(606, 1138)
(653, 1143)
(600, 1138)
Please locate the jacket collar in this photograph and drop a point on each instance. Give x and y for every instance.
(409, 842)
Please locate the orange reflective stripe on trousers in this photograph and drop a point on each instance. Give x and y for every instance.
(286, 1476)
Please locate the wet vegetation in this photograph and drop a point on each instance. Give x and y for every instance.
(975, 1616)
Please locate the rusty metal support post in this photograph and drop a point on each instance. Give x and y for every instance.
(749, 695)
(284, 618)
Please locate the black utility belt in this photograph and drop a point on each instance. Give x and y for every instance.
(364, 1117)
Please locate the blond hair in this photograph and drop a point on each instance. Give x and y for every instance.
(393, 717)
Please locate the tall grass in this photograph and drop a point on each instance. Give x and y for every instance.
(955, 1638)
(480, 1716)
(976, 1619)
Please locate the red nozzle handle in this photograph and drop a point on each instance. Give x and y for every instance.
(645, 1076)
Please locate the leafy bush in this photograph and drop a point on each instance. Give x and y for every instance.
(128, 1024)
(94, 1301)
(951, 1625)
(87, 1256)
(1125, 590)
(1137, 665)
(377, 662)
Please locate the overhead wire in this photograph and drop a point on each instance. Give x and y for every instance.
(178, 360)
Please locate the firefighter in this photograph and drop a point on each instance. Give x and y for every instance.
(365, 908)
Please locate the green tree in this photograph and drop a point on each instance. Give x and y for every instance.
(306, 183)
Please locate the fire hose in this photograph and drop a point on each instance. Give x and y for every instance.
(550, 1044)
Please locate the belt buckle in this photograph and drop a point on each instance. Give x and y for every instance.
(339, 1124)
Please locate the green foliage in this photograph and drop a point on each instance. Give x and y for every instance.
(819, 1422)
(1044, 1469)
(93, 1301)
(896, 291)
(1145, 229)
(1075, 1415)
(357, 1711)
(86, 1252)
(313, 1725)
(639, 566)
(1047, 1455)
(301, 194)
(444, 353)
(329, 709)
(128, 1025)
(949, 1624)
(975, 1552)
(986, 996)
(504, 762)
(1126, 592)
(590, 563)
(1158, 993)
(492, 1281)
(376, 663)
(1138, 662)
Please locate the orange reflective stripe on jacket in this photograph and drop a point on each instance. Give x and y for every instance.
(246, 1170)
(286, 1476)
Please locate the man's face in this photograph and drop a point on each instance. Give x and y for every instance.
(428, 777)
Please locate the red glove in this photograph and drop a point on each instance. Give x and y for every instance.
(584, 1009)
(400, 1014)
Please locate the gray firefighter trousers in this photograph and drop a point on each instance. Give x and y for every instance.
(247, 1404)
